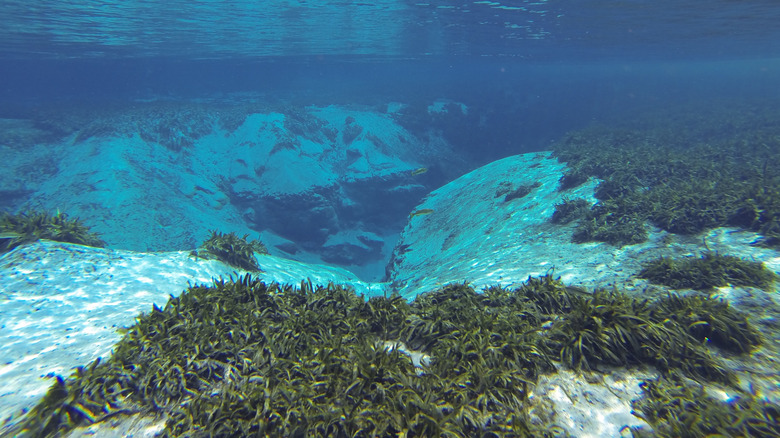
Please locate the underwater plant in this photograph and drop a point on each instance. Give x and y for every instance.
(571, 179)
(241, 357)
(759, 210)
(710, 320)
(706, 272)
(677, 407)
(285, 144)
(521, 191)
(686, 177)
(614, 221)
(609, 328)
(231, 249)
(569, 210)
(350, 131)
(16, 230)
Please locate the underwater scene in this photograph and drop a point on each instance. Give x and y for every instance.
(391, 218)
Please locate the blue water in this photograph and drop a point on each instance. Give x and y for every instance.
(529, 71)
(110, 111)
(582, 57)
(532, 30)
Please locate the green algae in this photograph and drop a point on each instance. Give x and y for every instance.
(521, 191)
(711, 320)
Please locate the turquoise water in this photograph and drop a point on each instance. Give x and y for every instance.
(525, 72)
(391, 146)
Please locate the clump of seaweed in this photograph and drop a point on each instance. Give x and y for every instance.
(246, 358)
(232, 249)
(613, 221)
(16, 230)
(572, 178)
(609, 328)
(706, 272)
(521, 191)
(351, 130)
(712, 320)
(676, 407)
(759, 210)
(570, 210)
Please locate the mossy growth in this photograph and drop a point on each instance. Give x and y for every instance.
(245, 358)
(232, 249)
(17, 230)
(706, 272)
(570, 210)
(685, 176)
(676, 407)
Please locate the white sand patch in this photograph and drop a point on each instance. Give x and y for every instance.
(589, 405)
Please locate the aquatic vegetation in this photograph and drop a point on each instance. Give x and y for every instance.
(242, 357)
(572, 178)
(544, 296)
(231, 249)
(420, 212)
(503, 188)
(759, 210)
(176, 127)
(706, 272)
(569, 210)
(676, 407)
(612, 221)
(521, 191)
(299, 122)
(711, 320)
(285, 144)
(16, 230)
(419, 171)
(608, 328)
(687, 177)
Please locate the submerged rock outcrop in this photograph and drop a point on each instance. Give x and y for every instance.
(158, 176)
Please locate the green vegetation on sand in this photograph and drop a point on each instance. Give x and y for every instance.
(231, 249)
(706, 272)
(696, 169)
(677, 407)
(245, 358)
(27, 227)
